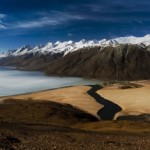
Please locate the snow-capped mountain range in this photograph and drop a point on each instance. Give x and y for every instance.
(70, 46)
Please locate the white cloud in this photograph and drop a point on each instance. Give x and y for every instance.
(2, 16)
(2, 26)
(53, 19)
(42, 19)
(36, 23)
(70, 34)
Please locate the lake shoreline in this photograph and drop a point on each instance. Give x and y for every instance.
(22, 82)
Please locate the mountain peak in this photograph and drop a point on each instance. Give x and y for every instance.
(57, 43)
(70, 46)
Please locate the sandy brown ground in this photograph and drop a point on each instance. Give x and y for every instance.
(76, 96)
(133, 101)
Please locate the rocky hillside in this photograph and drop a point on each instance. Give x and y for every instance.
(125, 62)
(30, 61)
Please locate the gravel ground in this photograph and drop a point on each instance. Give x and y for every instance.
(40, 137)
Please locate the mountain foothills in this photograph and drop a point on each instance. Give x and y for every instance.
(124, 58)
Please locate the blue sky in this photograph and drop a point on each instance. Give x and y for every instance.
(39, 21)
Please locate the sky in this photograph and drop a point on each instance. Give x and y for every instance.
(33, 22)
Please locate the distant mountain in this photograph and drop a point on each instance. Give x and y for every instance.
(119, 58)
(70, 46)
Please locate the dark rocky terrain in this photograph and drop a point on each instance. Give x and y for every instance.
(42, 137)
(124, 62)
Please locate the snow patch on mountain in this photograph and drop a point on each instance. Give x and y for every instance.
(70, 46)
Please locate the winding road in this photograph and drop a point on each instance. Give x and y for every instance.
(109, 110)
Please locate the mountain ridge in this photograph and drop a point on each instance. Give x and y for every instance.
(70, 46)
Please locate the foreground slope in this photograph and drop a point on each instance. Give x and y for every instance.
(21, 136)
(33, 121)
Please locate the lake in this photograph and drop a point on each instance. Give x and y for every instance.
(13, 82)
